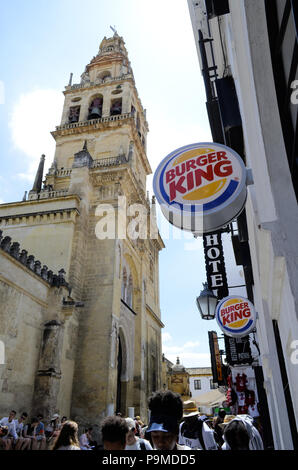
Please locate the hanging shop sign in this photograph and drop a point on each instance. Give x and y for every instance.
(238, 350)
(215, 265)
(201, 187)
(216, 365)
(236, 316)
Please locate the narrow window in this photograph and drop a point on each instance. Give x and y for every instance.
(124, 285)
(197, 384)
(129, 291)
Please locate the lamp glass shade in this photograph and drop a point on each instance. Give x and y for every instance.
(206, 303)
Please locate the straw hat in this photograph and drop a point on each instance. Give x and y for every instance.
(227, 420)
(190, 409)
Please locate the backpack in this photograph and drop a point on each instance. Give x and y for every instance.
(142, 444)
(198, 434)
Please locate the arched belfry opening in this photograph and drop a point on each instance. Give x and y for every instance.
(95, 108)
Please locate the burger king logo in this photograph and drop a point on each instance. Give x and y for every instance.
(236, 316)
(202, 182)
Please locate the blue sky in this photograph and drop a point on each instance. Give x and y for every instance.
(42, 43)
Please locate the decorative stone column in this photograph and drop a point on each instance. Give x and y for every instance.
(48, 377)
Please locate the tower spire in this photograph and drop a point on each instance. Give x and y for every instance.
(39, 175)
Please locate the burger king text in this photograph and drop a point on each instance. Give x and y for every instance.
(217, 163)
(235, 312)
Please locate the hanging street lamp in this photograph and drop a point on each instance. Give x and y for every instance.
(206, 303)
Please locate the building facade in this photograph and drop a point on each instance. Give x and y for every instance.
(248, 55)
(200, 380)
(178, 379)
(83, 219)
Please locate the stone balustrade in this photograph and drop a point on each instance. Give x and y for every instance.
(78, 86)
(91, 122)
(46, 194)
(63, 172)
(109, 161)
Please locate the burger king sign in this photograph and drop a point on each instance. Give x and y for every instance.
(236, 316)
(201, 187)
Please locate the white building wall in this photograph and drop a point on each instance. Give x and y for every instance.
(205, 385)
(271, 206)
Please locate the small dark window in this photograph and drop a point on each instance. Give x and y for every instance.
(217, 8)
(212, 385)
(197, 384)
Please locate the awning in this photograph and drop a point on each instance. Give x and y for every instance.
(212, 398)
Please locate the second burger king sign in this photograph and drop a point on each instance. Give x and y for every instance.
(236, 316)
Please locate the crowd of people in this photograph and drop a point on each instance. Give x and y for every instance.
(173, 425)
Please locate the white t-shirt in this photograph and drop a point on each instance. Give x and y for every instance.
(194, 443)
(19, 427)
(11, 427)
(137, 445)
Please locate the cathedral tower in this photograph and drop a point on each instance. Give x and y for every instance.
(111, 348)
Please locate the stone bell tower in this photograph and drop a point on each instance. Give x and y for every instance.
(100, 158)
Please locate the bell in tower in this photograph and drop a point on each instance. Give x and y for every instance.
(95, 109)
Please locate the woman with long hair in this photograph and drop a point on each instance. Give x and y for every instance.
(68, 437)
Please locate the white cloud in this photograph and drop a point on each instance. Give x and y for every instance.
(166, 337)
(34, 116)
(188, 353)
(189, 359)
(191, 344)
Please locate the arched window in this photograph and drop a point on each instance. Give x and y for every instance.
(95, 108)
(124, 285)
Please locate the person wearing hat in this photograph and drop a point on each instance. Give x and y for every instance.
(166, 412)
(133, 442)
(52, 429)
(241, 434)
(193, 431)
